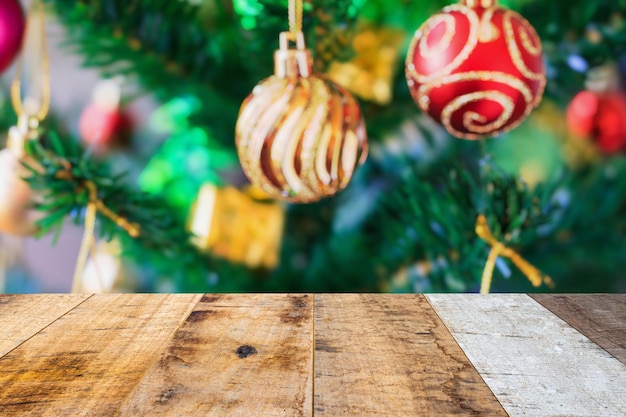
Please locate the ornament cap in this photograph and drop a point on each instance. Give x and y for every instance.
(26, 129)
(292, 63)
(479, 3)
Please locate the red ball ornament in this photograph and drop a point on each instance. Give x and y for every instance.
(476, 68)
(102, 128)
(103, 124)
(601, 117)
(12, 24)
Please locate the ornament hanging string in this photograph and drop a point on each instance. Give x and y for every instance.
(88, 240)
(498, 248)
(94, 206)
(295, 17)
(35, 14)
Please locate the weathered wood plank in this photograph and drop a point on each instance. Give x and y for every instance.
(236, 355)
(533, 361)
(600, 317)
(390, 355)
(21, 316)
(88, 361)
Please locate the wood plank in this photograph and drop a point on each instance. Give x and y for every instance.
(390, 355)
(600, 317)
(21, 316)
(236, 355)
(88, 361)
(534, 362)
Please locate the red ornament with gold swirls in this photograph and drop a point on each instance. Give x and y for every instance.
(476, 68)
(299, 136)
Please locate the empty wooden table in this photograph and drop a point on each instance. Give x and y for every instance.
(312, 354)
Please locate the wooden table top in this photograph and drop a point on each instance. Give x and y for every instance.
(266, 355)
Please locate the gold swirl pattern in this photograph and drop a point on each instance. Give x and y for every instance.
(300, 139)
(470, 119)
(514, 50)
(475, 130)
(492, 76)
(528, 43)
(443, 44)
(421, 35)
(488, 32)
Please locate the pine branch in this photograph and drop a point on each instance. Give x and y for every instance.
(558, 226)
(61, 175)
(577, 35)
(163, 44)
(111, 33)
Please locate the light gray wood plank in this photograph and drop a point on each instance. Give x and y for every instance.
(534, 362)
(600, 317)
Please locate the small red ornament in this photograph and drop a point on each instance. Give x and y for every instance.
(102, 124)
(476, 68)
(102, 128)
(601, 117)
(11, 31)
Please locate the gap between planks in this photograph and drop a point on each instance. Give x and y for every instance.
(390, 355)
(22, 317)
(89, 359)
(534, 362)
(354, 342)
(600, 317)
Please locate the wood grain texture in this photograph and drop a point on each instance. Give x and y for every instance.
(23, 316)
(235, 355)
(390, 355)
(87, 362)
(600, 317)
(534, 362)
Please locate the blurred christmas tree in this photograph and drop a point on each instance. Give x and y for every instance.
(552, 190)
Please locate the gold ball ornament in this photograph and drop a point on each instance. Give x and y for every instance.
(299, 136)
(17, 216)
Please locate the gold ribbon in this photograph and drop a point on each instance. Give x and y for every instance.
(35, 13)
(94, 207)
(498, 248)
(30, 112)
(295, 16)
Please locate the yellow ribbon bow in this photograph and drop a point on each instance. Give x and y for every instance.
(498, 248)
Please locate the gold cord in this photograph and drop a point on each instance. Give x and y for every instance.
(131, 228)
(87, 242)
(535, 276)
(295, 16)
(93, 207)
(36, 8)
